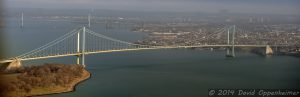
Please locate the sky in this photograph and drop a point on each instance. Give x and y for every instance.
(235, 6)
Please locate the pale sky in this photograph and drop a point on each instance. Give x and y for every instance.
(244, 6)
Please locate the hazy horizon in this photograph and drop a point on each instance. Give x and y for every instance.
(287, 7)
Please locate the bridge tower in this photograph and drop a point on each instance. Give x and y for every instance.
(230, 41)
(89, 20)
(22, 20)
(81, 51)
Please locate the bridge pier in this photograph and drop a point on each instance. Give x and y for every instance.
(78, 59)
(230, 52)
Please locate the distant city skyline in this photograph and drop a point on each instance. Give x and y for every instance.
(214, 6)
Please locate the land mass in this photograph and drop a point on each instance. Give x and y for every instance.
(45, 79)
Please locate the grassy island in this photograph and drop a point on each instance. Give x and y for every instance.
(44, 79)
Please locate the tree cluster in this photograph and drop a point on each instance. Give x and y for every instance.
(47, 75)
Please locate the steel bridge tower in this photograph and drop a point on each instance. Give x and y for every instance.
(81, 51)
(230, 41)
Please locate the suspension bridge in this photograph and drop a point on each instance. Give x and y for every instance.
(83, 41)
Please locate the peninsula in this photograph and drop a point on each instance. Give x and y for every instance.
(44, 79)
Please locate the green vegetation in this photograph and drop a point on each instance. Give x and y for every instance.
(45, 79)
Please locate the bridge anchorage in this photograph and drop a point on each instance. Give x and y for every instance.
(14, 64)
(82, 41)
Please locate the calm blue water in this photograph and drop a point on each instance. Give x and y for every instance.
(156, 73)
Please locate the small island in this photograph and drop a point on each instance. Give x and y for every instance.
(42, 80)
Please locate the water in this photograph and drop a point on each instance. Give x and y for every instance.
(158, 73)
